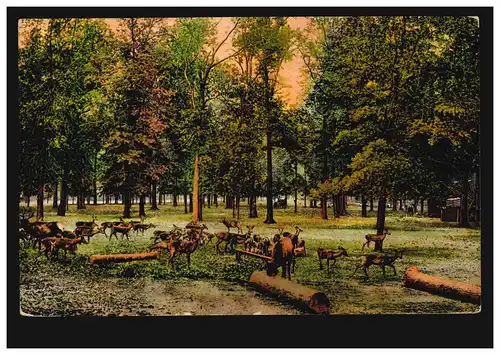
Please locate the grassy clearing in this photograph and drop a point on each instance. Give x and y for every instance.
(434, 247)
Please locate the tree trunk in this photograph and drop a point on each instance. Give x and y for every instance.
(464, 202)
(238, 207)
(39, 200)
(185, 204)
(127, 204)
(116, 199)
(216, 201)
(305, 198)
(80, 199)
(209, 200)
(190, 203)
(175, 200)
(363, 206)
(28, 200)
(154, 188)
(422, 207)
(142, 203)
(55, 195)
(394, 204)
(381, 215)
(371, 204)
(200, 207)
(196, 193)
(270, 211)
(401, 205)
(61, 210)
(324, 210)
(233, 204)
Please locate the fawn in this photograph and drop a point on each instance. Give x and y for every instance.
(380, 260)
(375, 238)
(330, 255)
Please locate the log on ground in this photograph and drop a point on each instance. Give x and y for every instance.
(305, 296)
(122, 258)
(442, 286)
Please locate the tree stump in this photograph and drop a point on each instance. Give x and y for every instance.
(305, 296)
(122, 258)
(442, 286)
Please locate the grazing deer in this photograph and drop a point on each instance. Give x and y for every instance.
(185, 246)
(378, 239)
(282, 255)
(39, 230)
(380, 260)
(124, 229)
(232, 224)
(330, 255)
(142, 227)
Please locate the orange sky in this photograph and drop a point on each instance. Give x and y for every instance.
(291, 81)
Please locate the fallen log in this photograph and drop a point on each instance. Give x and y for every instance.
(442, 286)
(302, 295)
(122, 258)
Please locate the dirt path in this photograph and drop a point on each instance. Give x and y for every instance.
(110, 297)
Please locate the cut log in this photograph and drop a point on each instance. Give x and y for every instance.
(122, 258)
(259, 256)
(442, 286)
(305, 296)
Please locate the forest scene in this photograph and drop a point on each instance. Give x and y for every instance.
(249, 166)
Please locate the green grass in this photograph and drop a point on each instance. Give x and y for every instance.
(433, 246)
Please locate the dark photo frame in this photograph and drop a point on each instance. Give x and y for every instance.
(406, 331)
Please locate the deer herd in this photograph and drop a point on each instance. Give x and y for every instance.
(283, 248)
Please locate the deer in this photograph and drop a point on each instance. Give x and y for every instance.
(39, 230)
(140, 227)
(378, 239)
(300, 250)
(232, 224)
(106, 225)
(241, 238)
(330, 255)
(380, 260)
(54, 244)
(295, 238)
(87, 224)
(186, 246)
(282, 255)
(124, 229)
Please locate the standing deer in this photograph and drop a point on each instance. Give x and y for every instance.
(330, 255)
(124, 229)
(378, 239)
(185, 246)
(282, 255)
(295, 238)
(380, 260)
(232, 224)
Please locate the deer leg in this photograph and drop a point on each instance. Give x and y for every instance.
(320, 264)
(328, 265)
(365, 270)
(363, 247)
(293, 265)
(383, 270)
(393, 269)
(288, 266)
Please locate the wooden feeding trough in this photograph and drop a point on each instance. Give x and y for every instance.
(442, 286)
(122, 258)
(302, 295)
